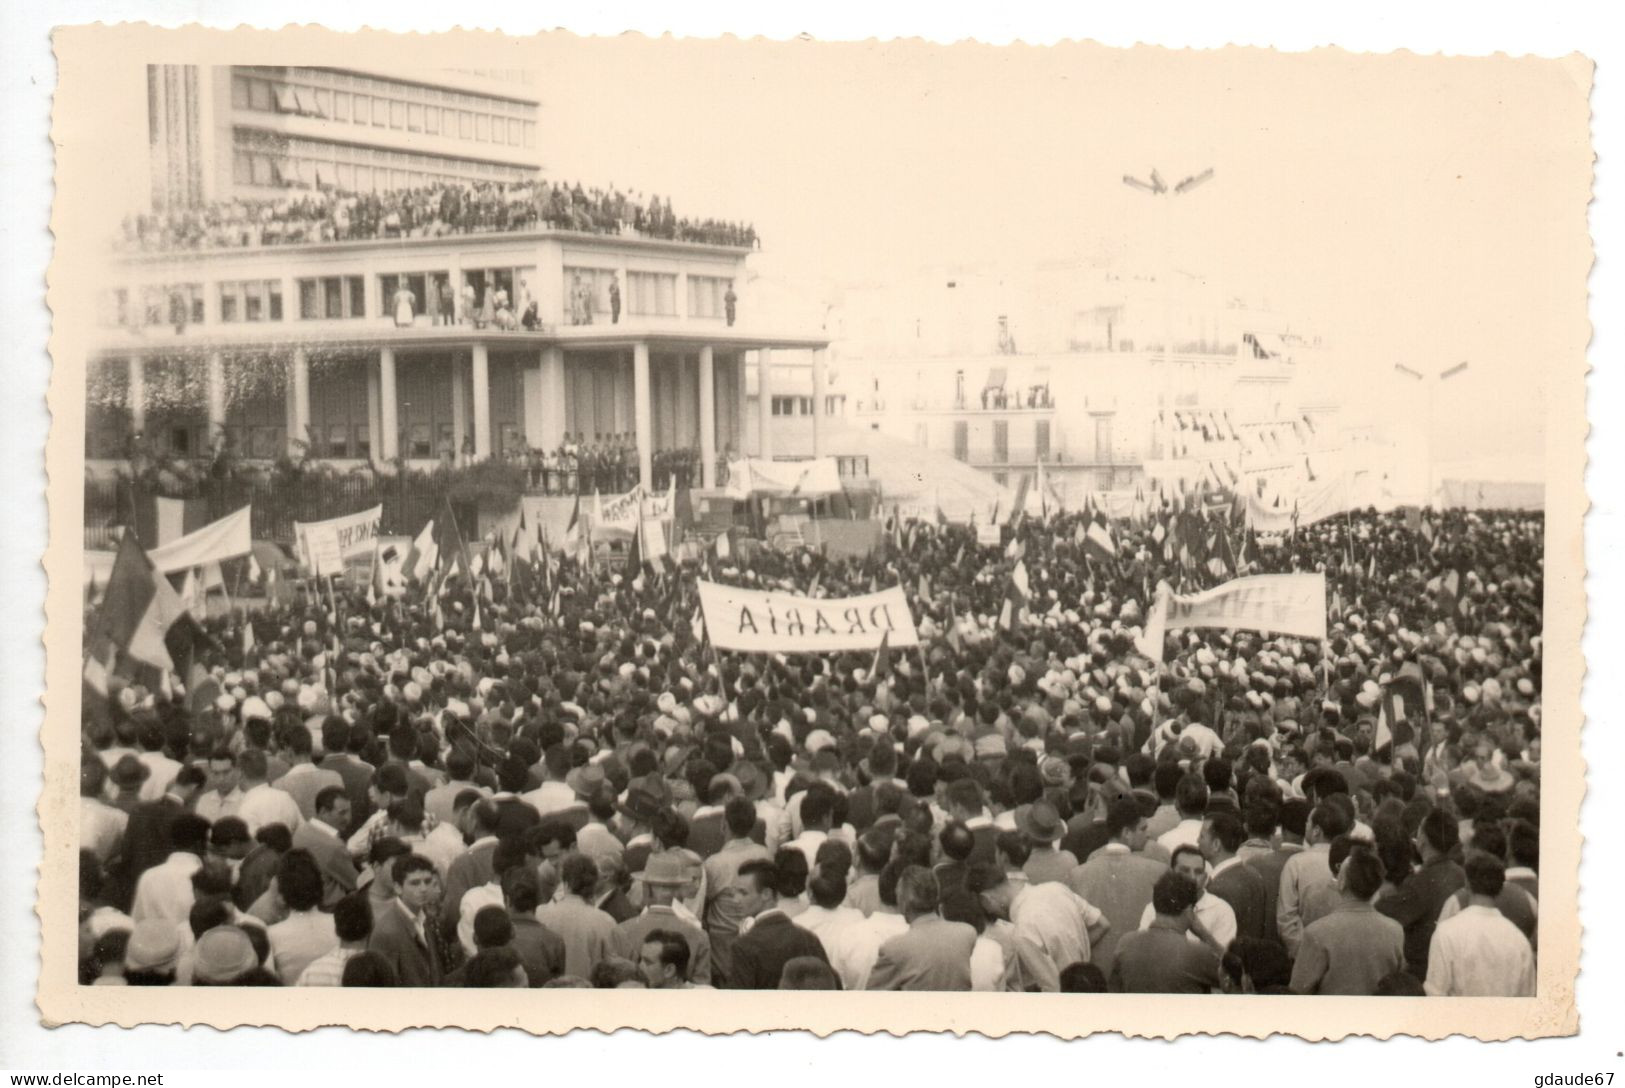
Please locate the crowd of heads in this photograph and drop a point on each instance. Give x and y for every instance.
(578, 718)
(430, 211)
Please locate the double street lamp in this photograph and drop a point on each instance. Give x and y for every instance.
(1157, 187)
(1432, 381)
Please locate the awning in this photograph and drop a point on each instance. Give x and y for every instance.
(995, 378)
(286, 100)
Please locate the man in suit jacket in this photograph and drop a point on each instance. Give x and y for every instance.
(1232, 879)
(356, 772)
(1119, 878)
(474, 866)
(772, 940)
(320, 836)
(1292, 818)
(400, 930)
(934, 954)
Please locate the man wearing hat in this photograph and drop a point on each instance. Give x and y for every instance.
(663, 878)
(152, 953)
(1043, 827)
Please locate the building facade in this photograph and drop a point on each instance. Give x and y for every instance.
(246, 132)
(308, 348)
(1071, 370)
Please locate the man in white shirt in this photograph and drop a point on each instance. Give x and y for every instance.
(306, 933)
(851, 944)
(162, 767)
(509, 852)
(554, 794)
(164, 893)
(262, 802)
(223, 797)
(1478, 952)
(1218, 918)
(817, 808)
(352, 925)
(1191, 801)
(101, 826)
(1052, 926)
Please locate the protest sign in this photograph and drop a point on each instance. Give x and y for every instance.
(753, 620)
(325, 545)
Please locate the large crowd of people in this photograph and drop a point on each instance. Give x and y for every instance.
(430, 211)
(550, 779)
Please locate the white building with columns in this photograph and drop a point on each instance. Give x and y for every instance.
(296, 345)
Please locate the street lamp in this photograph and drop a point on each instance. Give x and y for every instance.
(1437, 380)
(1157, 187)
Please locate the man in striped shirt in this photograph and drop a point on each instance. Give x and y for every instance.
(352, 922)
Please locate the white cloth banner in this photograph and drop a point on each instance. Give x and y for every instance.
(654, 540)
(227, 538)
(325, 545)
(617, 514)
(1316, 501)
(753, 620)
(815, 476)
(1281, 604)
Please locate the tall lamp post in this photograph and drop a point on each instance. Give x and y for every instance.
(1432, 381)
(1156, 187)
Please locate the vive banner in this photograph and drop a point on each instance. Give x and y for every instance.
(756, 621)
(325, 545)
(1279, 604)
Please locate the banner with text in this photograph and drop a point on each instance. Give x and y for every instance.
(617, 513)
(1280, 604)
(753, 620)
(325, 545)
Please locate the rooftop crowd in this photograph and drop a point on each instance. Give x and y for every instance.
(549, 779)
(432, 211)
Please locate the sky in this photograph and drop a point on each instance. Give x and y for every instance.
(1406, 210)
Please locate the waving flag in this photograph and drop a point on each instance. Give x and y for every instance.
(1098, 543)
(137, 611)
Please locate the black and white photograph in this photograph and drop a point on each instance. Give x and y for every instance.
(996, 524)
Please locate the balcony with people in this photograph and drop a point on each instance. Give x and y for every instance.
(315, 213)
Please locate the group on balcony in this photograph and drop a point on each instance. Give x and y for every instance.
(609, 464)
(448, 208)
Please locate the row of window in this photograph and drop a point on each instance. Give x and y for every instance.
(393, 88)
(169, 304)
(1001, 438)
(376, 111)
(345, 297)
(792, 406)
